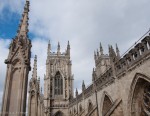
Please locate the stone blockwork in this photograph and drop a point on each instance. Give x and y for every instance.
(120, 85)
(58, 82)
(123, 89)
(18, 67)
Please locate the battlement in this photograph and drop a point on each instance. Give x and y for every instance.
(58, 53)
(104, 80)
(135, 56)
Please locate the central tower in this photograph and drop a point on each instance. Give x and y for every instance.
(58, 82)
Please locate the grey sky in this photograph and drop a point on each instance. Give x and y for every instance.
(85, 23)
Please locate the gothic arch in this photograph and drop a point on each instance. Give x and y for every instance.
(139, 102)
(106, 103)
(70, 112)
(80, 108)
(90, 105)
(74, 110)
(58, 84)
(59, 72)
(59, 113)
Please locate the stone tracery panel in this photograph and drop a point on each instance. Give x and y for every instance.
(106, 103)
(140, 96)
(14, 91)
(59, 113)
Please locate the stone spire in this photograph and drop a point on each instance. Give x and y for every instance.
(19, 56)
(97, 53)
(49, 48)
(58, 48)
(118, 52)
(23, 27)
(76, 92)
(34, 75)
(111, 52)
(93, 75)
(68, 49)
(101, 49)
(83, 86)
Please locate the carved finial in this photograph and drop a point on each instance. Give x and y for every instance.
(76, 92)
(93, 75)
(49, 48)
(118, 52)
(83, 86)
(94, 55)
(111, 51)
(58, 48)
(101, 49)
(109, 48)
(34, 75)
(68, 49)
(23, 27)
(68, 44)
(97, 53)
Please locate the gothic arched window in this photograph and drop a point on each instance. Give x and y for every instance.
(80, 108)
(90, 106)
(59, 113)
(58, 84)
(107, 104)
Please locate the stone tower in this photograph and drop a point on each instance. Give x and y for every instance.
(34, 106)
(18, 67)
(58, 82)
(102, 61)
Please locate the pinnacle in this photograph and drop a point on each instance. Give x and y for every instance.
(49, 48)
(101, 49)
(34, 75)
(23, 27)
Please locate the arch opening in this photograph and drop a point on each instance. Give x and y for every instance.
(140, 97)
(59, 113)
(90, 106)
(58, 84)
(107, 104)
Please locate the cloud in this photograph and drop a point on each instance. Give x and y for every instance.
(85, 24)
(3, 55)
(12, 6)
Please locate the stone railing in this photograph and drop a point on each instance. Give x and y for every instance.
(104, 79)
(80, 97)
(136, 54)
(59, 105)
(141, 50)
(88, 91)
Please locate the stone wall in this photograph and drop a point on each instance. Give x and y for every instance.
(114, 93)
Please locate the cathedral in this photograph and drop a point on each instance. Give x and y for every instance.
(120, 84)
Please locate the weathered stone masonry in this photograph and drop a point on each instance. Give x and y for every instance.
(120, 85)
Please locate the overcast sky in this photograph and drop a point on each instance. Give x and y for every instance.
(85, 23)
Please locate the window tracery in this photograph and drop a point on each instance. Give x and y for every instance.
(58, 84)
